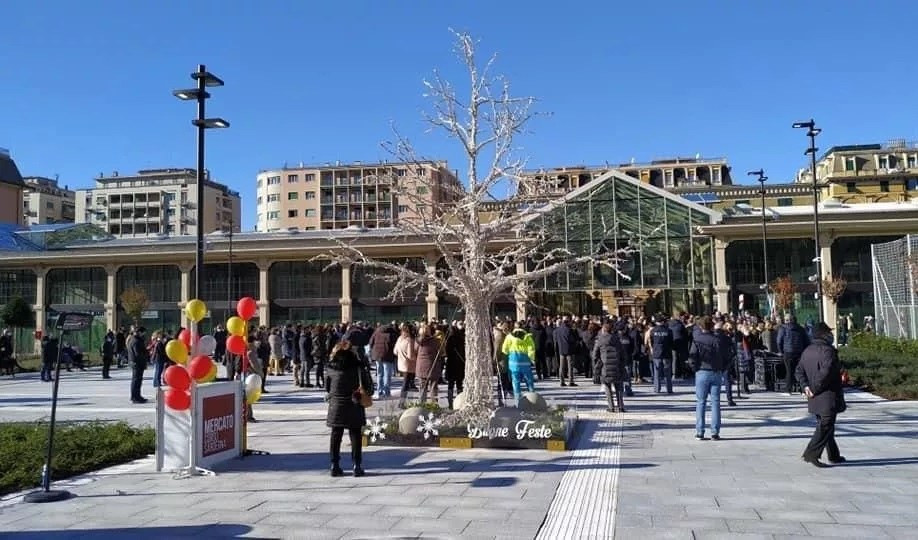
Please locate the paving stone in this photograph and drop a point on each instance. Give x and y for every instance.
(774, 527)
(845, 531)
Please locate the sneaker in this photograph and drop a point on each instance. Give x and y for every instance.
(563, 383)
(816, 463)
(699, 436)
(572, 384)
(839, 459)
(358, 471)
(715, 437)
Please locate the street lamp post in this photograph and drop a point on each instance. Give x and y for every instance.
(760, 176)
(812, 132)
(200, 94)
(229, 272)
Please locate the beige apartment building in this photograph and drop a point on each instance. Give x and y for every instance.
(157, 202)
(11, 188)
(44, 201)
(365, 195)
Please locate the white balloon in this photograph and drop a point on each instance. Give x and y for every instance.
(252, 383)
(207, 345)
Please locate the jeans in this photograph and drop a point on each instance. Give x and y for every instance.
(662, 369)
(406, 385)
(524, 372)
(823, 439)
(565, 367)
(384, 372)
(158, 368)
(707, 384)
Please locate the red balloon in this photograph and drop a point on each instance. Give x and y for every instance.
(236, 345)
(199, 367)
(185, 337)
(246, 308)
(177, 377)
(177, 400)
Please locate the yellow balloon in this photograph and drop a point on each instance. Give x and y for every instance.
(235, 326)
(177, 351)
(196, 310)
(252, 397)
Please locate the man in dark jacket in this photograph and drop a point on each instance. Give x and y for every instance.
(220, 335)
(792, 340)
(539, 338)
(121, 347)
(49, 354)
(707, 359)
(108, 353)
(610, 366)
(382, 351)
(305, 343)
(138, 357)
(819, 374)
(680, 344)
(566, 345)
(661, 345)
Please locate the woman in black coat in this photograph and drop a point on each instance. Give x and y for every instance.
(609, 364)
(343, 377)
(455, 362)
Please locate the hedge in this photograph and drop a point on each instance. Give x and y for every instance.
(881, 365)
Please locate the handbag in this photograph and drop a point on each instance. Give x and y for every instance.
(365, 398)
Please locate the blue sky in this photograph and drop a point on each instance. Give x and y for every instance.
(85, 87)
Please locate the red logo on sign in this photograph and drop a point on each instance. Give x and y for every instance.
(219, 424)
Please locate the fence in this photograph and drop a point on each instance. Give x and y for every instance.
(895, 269)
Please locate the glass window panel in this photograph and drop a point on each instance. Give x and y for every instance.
(363, 285)
(162, 283)
(680, 261)
(678, 219)
(653, 258)
(303, 279)
(77, 286)
(15, 282)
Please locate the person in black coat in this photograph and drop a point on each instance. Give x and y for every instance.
(792, 340)
(139, 357)
(539, 338)
(109, 344)
(608, 363)
(49, 353)
(344, 376)
(455, 361)
(819, 374)
(566, 339)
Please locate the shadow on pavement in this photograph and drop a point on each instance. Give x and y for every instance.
(879, 462)
(221, 530)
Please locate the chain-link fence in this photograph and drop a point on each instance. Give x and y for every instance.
(895, 267)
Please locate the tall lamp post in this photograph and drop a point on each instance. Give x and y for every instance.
(812, 132)
(204, 79)
(229, 271)
(760, 176)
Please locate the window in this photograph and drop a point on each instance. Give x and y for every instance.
(884, 186)
(691, 175)
(49, 205)
(851, 187)
(883, 162)
(273, 215)
(785, 201)
(309, 177)
(293, 195)
(668, 178)
(274, 197)
(911, 162)
(309, 195)
(420, 171)
(422, 190)
(258, 217)
(273, 180)
(309, 212)
(293, 213)
(259, 201)
(911, 184)
(741, 201)
(400, 172)
(293, 178)
(715, 175)
(849, 164)
(260, 183)
(402, 209)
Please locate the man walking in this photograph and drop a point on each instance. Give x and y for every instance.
(661, 347)
(792, 340)
(819, 374)
(707, 361)
(138, 358)
(680, 345)
(108, 353)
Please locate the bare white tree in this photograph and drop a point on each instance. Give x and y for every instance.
(481, 242)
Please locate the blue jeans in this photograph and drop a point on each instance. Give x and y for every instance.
(158, 368)
(662, 369)
(525, 373)
(707, 384)
(384, 377)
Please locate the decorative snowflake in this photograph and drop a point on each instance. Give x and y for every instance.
(376, 429)
(428, 425)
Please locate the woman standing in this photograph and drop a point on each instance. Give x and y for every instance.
(406, 354)
(344, 379)
(609, 365)
(159, 358)
(429, 364)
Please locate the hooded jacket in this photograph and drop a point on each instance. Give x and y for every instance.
(519, 348)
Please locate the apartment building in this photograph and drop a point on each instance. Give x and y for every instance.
(157, 202)
(11, 188)
(669, 173)
(44, 201)
(341, 195)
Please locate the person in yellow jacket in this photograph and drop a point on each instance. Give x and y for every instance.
(520, 351)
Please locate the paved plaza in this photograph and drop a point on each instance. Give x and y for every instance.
(636, 475)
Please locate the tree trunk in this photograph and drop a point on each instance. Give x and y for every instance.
(479, 386)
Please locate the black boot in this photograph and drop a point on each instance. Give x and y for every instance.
(357, 451)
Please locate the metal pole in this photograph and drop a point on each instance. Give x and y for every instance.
(229, 272)
(199, 254)
(765, 247)
(812, 133)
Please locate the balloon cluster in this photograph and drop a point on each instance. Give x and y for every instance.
(201, 367)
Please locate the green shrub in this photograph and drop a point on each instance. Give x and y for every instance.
(873, 342)
(882, 370)
(78, 448)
